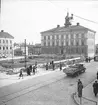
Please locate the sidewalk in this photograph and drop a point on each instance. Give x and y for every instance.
(88, 96)
(6, 80)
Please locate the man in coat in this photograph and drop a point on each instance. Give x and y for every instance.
(95, 88)
(80, 88)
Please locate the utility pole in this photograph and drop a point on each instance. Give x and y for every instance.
(25, 53)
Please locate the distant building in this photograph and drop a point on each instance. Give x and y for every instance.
(20, 51)
(6, 44)
(69, 40)
(34, 49)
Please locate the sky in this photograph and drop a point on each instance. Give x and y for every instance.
(25, 19)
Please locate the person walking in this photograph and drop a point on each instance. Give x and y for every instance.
(30, 67)
(89, 59)
(21, 74)
(47, 66)
(53, 65)
(34, 69)
(79, 88)
(60, 66)
(95, 88)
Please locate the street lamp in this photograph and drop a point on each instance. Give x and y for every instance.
(25, 53)
(12, 54)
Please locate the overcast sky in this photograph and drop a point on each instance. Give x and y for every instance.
(25, 19)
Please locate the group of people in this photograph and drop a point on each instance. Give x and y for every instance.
(29, 70)
(53, 65)
(87, 59)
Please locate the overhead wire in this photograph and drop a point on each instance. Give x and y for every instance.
(76, 15)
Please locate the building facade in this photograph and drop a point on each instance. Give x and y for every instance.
(6, 44)
(69, 40)
(34, 49)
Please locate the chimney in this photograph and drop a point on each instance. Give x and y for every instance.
(2, 30)
(78, 24)
(58, 26)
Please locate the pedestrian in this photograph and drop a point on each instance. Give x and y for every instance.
(21, 74)
(80, 88)
(89, 59)
(28, 71)
(47, 66)
(53, 65)
(34, 69)
(60, 66)
(97, 75)
(86, 59)
(94, 58)
(95, 88)
(30, 67)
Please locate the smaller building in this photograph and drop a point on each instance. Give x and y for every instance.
(34, 49)
(6, 44)
(20, 51)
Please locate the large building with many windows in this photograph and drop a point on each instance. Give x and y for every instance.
(69, 40)
(6, 44)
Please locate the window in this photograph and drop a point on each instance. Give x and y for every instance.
(53, 37)
(62, 36)
(10, 41)
(82, 43)
(66, 43)
(48, 37)
(72, 36)
(77, 35)
(44, 37)
(77, 43)
(57, 36)
(82, 35)
(62, 44)
(6, 41)
(7, 48)
(10, 47)
(72, 42)
(48, 43)
(67, 36)
(53, 43)
(44, 43)
(57, 43)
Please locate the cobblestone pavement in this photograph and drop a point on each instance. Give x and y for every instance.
(55, 93)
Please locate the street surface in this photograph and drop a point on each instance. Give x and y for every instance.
(49, 89)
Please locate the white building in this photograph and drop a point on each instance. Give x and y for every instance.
(6, 44)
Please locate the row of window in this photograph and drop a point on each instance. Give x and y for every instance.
(3, 53)
(64, 43)
(77, 50)
(6, 41)
(5, 48)
(67, 36)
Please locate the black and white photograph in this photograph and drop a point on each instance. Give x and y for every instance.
(48, 52)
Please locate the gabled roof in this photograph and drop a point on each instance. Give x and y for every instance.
(5, 35)
(73, 27)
